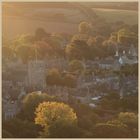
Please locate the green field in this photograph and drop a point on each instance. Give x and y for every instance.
(113, 15)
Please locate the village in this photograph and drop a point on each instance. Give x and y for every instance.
(20, 79)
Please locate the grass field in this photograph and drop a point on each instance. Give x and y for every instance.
(36, 18)
(16, 25)
(13, 26)
(112, 15)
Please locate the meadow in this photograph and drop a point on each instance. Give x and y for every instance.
(113, 15)
(49, 19)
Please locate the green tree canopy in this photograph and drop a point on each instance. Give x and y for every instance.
(31, 101)
(7, 52)
(129, 70)
(17, 128)
(40, 33)
(80, 37)
(129, 102)
(78, 50)
(43, 49)
(6, 134)
(126, 36)
(76, 65)
(69, 80)
(24, 52)
(53, 77)
(129, 118)
(84, 27)
(111, 101)
(22, 46)
(111, 130)
(23, 39)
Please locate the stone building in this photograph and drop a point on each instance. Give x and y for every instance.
(37, 74)
(10, 109)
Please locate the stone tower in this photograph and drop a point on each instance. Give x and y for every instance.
(36, 74)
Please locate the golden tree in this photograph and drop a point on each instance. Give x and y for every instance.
(50, 114)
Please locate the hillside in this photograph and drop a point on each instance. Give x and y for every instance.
(19, 18)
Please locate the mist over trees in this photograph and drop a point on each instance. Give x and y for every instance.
(43, 115)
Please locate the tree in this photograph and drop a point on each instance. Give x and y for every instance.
(129, 69)
(54, 116)
(69, 81)
(5, 42)
(110, 101)
(24, 52)
(126, 37)
(17, 128)
(124, 126)
(57, 43)
(129, 118)
(31, 101)
(76, 65)
(69, 131)
(43, 48)
(23, 39)
(72, 51)
(7, 52)
(83, 34)
(99, 40)
(78, 50)
(87, 117)
(109, 45)
(97, 48)
(113, 129)
(84, 27)
(129, 102)
(6, 134)
(80, 37)
(53, 77)
(22, 46)
(58, 37)
(91, 41)
(40, 33)
(104, 29)
(134, 28)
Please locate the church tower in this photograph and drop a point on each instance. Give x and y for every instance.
(36, 74)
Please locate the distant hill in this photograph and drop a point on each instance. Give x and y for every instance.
(61, 17)
(113, 15)
(37, 4)
(113, 5)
